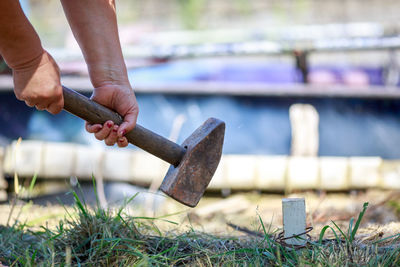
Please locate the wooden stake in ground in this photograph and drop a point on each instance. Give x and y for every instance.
(294, 220)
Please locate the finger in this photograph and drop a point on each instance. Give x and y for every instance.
(129, 123)
(56, 107)
(93, 128)
(29, 104)
(40, 107)
(122, 142)
(87, 124)
(112, 137)
(105, 131)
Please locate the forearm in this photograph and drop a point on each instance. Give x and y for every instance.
(20, 45)
(94, 25)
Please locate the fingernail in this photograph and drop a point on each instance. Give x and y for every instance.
(122, 133)
(115, 130)
(109, 124)
(121, 140)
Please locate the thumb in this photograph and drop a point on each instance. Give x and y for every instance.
(129, 123)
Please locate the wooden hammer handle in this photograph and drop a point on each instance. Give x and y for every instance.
(90, 111)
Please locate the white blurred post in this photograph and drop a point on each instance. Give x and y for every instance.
(294, 220)
(3, 183)
(304, 121)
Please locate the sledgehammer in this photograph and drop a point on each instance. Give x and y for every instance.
(193, 163)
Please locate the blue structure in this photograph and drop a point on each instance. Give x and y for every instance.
(255, 125)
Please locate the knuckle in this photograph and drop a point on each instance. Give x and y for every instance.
(58, 94)
(18, 95)
(98, 137)
(55, 111)
(23, 96)
(28, 103)
(89, 129)
(135, 110)
(109, 142)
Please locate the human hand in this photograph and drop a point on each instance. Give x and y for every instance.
(37, 82)
(120, 98)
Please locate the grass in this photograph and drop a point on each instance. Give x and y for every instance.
(98, 237)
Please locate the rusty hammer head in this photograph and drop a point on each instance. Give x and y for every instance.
(187, 182)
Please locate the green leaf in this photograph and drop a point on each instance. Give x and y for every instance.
(340, 230)
(322, 233)
(357, 225)
(32, 183)
(79, 204)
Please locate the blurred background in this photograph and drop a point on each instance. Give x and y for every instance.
(291, 78)
(245, 62)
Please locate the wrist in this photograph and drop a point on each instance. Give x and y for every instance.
(22, 59)
(33, 60)
(102, 75)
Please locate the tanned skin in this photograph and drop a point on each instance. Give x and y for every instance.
(37, 76)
